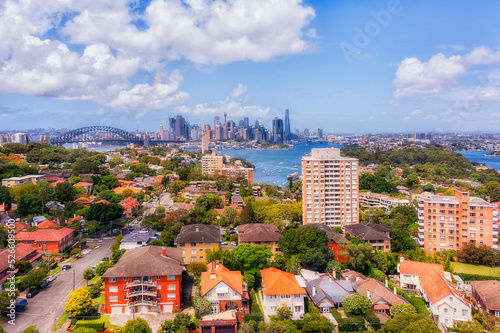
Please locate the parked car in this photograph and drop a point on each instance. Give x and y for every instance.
(44, 284)
(32, 294)
(233, 243)
(66, 267)
(93, 267)
(223, 243)
(20, 304)
(105, 259)
(51, 278)
(125, 229)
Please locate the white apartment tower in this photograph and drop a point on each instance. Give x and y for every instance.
(329, 188)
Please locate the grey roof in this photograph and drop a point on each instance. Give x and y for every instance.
(147, 261)
(236, 198)
(138, 237)
(332, 235)
(38, 219)
(199, 233)
(258, 232)
(329, 288)
(369, 231)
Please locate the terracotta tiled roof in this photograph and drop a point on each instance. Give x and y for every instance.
(19, 226)
(47, 224)
(103, 201)
(258, 232)
(120, 190)
(148, 261)
(489, 291)
(436, 288)
(21, 250)
(213, 277)
(379, 293)
(277, 282)
(44, 234)
(83, 184)
(78, 218)
(84, 200)
(419, 268)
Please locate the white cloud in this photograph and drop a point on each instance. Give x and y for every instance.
(439, 74)
(202, 31)
(238, 91)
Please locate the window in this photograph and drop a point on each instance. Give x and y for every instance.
(125, 278)
(208, 244)
(158, 296)
(113, 289)
(171, 287)
(445, 310)
(170, 277)
(181, 244)
(193, 244)
(113, 279)
(465, 312)
(113, 299)
(170, 296)
(125, 288)
(158, 287)
(193, 252)
(450, 299)
(285, 296)
(193, 258)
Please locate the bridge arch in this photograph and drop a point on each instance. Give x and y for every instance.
(83, 134)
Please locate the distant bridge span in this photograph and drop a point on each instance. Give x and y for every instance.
(98, 133)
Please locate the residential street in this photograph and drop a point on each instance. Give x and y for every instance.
(164, 201)
(49, 304)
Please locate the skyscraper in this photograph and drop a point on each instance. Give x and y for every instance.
(288, 134)
(329, 188)
(320, 133)
(247, 122)
(179, 127)
(171, 122)
(278, 130)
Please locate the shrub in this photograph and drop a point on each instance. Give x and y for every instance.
(31, 329)
(75, 251)
(84, 330)
(94, 291)
(103, 267)
(97, 324)
(402, 308)
(419, 305)
(356, 303)
(53, 265)
(352, 323)
(373, 320)
(73, 321)
(23, 266)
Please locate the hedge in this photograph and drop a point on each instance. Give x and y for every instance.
(474, 277)
(373, 320)
(351, 323)
(98, 325)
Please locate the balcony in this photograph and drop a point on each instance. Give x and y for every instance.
(142, 302)
(142, 292)
(421, 204)
(421, 236)
(137, 283)
(421, 230)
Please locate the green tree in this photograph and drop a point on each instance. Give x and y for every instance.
(249, 190)
(195, 269)
(283, 312)
(316, 323)
(33, 279)
(137, 325)
(88, 275)
(65, 192)
(411, 181)
(243, 192)
(5, 298)
(116, 255)
(201, 305)
(31, 329)
(102, 267)
(247, 214)
(29, 204)
(401, 309)
(356, 303)
(410, 322)
(24, 266)
(79, 303)
(360, 256)
(309, 244)
(251, 258)
(230, 214)
(5, 198)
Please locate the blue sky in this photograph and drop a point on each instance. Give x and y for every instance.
(344, 66)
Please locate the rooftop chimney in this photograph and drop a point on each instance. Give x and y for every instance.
(368, 293)
(164, 252)
(314, 290)
(386, 282)
(197, 229)
(395, 291)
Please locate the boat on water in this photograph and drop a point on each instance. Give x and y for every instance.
(280, 163)
(295, 166)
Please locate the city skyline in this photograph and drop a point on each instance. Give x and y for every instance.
(345, 67)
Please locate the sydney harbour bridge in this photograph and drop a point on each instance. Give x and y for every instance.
(106, 134)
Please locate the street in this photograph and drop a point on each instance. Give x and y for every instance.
(43, 309)
(164, 201)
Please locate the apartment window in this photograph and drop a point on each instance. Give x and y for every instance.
(285, 296)
(113, 299)
(171, 287)
(450, 299)
(465, 312)
(181, 244)
(193, 252)
(125, 288)
(125, 278)
(158, 296)
(193, 244)
(158, 278)
(170, 277)
(158, 287)
(113, 289)
(170, 296)
(113, 279)
(208, 244)
(193, 258)
(445, 310)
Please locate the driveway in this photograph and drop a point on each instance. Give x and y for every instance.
(46, 307)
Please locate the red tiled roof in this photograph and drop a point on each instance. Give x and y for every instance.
(47, 224)
(44, 234)
(277, 282)
(489, 291)
(78, 217)
(103, 201)
(419, 268)
(436, 288)
(13, 206)
(212, 277)
(19, 226)
(379, 293)
(83, 200)
(83, 184)
(21, 250)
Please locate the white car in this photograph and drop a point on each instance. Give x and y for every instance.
(51, 278)
(233, 243)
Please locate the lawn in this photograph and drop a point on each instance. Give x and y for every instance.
(476, 269)
(99, 300)
(71, 260)
(108, 325)
(55, 271)
(61, 320)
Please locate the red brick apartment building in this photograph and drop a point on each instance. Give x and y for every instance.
(447, 223)
(232, 171)
(145, 279)
(47, 240)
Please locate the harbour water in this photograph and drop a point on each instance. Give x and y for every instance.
(273, 166)
(479, 156)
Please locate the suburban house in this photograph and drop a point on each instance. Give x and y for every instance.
(47, 240)
(380, 295)
(195, 239)
(486, 296)
(20, 226)
(351, 275)
(260, 234)
(78, 218)
(224, 289)
(336, 240)
(410, 273)
(23, 253)
(137, 239)
(327, 292)
(88, 187)
(47, 224)
(84, 201)
(130, 206)
(447, 305)
(278, 288)
(9, 182)
(145, 279)
(237, 201)
(375, 234)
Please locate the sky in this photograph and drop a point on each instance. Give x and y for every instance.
(343, 66)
